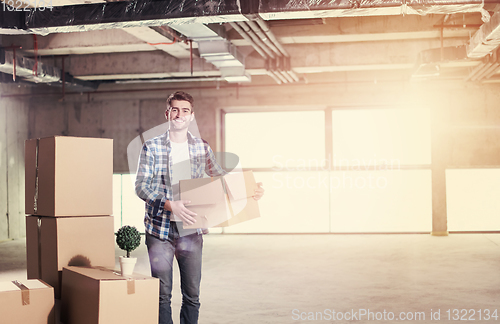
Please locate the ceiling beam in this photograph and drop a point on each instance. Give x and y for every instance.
(317, 58)
(158, 41)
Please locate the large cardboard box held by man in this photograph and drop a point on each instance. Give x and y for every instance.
(103, 296)
(53, 243)
(221, 201)
(26, 301)
(69, 176)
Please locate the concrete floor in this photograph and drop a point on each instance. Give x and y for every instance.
(282, 278)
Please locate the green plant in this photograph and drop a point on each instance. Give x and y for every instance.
(128, 238)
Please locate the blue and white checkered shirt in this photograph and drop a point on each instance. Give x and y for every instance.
(154, 174)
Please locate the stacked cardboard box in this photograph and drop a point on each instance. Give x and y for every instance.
(102, 296)
(53, 243)
(26, 301)
(69, 196)
(70, 238)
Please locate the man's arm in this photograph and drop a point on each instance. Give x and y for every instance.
(144, 182)
(212, 167)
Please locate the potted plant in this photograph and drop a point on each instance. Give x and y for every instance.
(128, 239)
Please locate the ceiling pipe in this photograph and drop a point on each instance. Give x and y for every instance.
(287, 72)
(260, 28)
(475, 70)
(249, 31)
(264, 37)
(169, 80)
(282, 78)
(256, 39)
(489, 72)
(486, 68)
(175, 87)
(492, 70)
(272, 65)
(263, 25)
(481, 71)
(293, 75)
(274, 77)
(248, 39)
(260, 47)
(287, 76)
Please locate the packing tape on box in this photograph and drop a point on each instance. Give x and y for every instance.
(35, 198)
(25, 292)
(130, 286)
(107, 270)
(39, 238)
(130, 281)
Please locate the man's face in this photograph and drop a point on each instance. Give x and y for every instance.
(180, 114)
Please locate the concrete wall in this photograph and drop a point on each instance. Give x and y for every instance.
(119, 119)
(13, 133)
(465, 123)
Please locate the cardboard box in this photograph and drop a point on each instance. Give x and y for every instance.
(221, 201)
(69, 176)
(103, 296)
(26, 301)
(53, 243)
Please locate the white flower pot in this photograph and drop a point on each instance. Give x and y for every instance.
(127, 265)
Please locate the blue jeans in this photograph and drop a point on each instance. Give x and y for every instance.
(187, 250)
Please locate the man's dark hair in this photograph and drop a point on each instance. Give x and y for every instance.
(180, 95)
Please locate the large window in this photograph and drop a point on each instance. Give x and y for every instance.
(275, 139)
(472, 199)
(346, 170)
(377, 136)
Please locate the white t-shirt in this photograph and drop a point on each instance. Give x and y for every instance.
(181, 170)
(181, 165)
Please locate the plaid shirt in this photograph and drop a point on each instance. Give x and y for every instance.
(154, 174)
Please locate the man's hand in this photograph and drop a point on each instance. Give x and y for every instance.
(178, 207)
(259, 192)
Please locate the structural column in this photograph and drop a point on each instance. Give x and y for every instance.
(440, 149)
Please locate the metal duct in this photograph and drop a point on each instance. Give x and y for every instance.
(292, 9)
(45, 73)
(75, 84)
(486, 39)
(429, 61)
(140, 13)
(12, 22)
(234, 74)
(137, 13)
(217, 50)
(25, 68)
(221, 53)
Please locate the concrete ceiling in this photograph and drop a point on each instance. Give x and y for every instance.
(368, 47)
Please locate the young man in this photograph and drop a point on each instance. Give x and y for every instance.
(164, 161)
